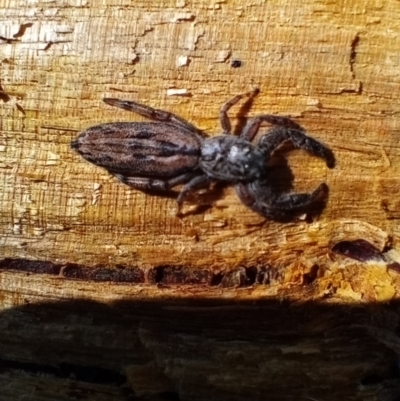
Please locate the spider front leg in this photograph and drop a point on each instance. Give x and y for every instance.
(276, 136)
(223, 114)
(154, 114)
(253, 125)
(260, 197)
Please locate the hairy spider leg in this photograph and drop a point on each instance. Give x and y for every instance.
(151, 184)
(198, 182)
(253, 125)
(191, 181)
(277, 135)
(154, 114)
(223, 114)
(280, 207)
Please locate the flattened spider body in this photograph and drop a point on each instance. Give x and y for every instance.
(160, 155)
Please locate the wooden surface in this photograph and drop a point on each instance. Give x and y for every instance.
(333, 69)
(70, 232)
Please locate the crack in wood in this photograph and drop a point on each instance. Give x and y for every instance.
(353, 54)
(160, 275)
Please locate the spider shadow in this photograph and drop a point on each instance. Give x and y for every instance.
(205, 199)
(278, 174)
(280, 179)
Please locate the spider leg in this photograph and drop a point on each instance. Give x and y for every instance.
(197, 182)
(253, 125)
(154, 114)
(151, 184)
(223, 114)
(283, 207)
(277, 135)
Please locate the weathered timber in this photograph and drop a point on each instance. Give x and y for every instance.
(106, 295)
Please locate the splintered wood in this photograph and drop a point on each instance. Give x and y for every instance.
(331, 67)
(107, 295)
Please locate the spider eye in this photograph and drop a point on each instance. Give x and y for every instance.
(208, 158)
(209, 154)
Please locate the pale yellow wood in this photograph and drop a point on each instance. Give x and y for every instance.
(331, 65)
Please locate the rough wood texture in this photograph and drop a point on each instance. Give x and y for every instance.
(190, 308)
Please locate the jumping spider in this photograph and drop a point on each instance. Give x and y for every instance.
(157, 156)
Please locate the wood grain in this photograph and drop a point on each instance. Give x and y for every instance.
(79, 234)
(326, 74)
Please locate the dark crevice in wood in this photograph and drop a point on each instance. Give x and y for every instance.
(359, 249)
(353, 54)
(160, 275)
(311, 276)
(216, 279)
(363, 251)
